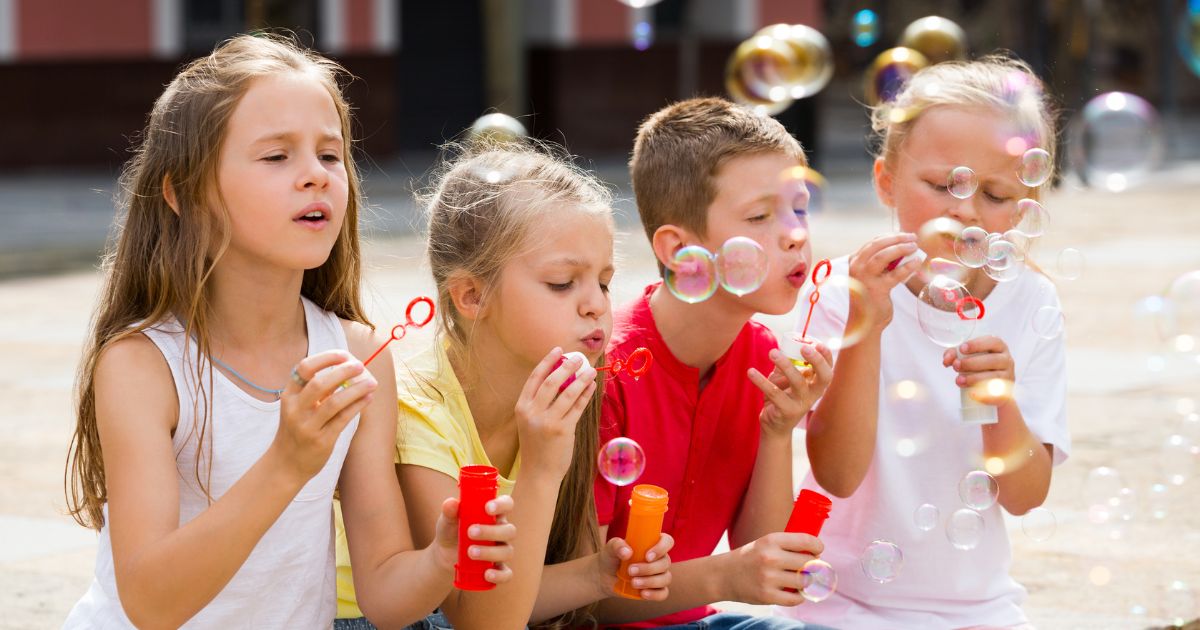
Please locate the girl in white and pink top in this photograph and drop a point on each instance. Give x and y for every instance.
(897, 439)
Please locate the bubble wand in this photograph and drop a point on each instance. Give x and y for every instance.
(399, 330)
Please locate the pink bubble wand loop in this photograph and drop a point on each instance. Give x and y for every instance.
(816, 294)
(399, 330)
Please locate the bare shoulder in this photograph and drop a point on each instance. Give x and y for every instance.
(133, 369)
(362, 342)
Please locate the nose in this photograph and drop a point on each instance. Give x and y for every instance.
(313, 174)
(963, 210)
(594, 303)
(794, 232)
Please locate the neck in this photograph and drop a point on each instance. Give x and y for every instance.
(978, 284)
(679, 321)
(492, 382)
(255, 310)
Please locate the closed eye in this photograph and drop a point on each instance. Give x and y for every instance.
(758, 218)
(275, 158)
(560, 286)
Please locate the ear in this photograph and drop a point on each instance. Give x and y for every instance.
(883, 183)
(168, 192)
(466, 292)
(667, 240)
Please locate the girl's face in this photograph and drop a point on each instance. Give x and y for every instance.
(281, 173)
(556, 292)
(943, 138)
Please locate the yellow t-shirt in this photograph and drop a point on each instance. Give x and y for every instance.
(435, 430)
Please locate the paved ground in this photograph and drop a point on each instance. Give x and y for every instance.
(1125, 399)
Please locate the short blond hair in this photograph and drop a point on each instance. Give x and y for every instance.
(679, 150)
(997, 82)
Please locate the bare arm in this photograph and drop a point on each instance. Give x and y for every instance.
(166, 572)
(842, 429)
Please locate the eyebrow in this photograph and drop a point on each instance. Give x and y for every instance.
(767, 198)
(575, 262)
(288, 135)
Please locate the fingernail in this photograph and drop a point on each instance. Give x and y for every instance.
(650, 556)
(633, 571)
(962, 380)
(963, 347)
(637, 584)
(473, 531)
(473, 552)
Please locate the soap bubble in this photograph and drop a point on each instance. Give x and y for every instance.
(865, 28)
(1039, 524)
(818, 580)
(964, 529)
(743, 265)
(692, 274)
(889, 72)
(1116, 140)
(947, 313)
(881, 561)
(1036, 166)
(971, 247)
(1032, 218)
(937, 38)
(1048, 322)
(812, 64)
(926, 517)
(621, 461)
(978, 490)
(497, 127)
(962, 183)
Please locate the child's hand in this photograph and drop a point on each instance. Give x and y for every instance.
(546, 417)
(767, 571)
(651, 577)
(314, 408)
(984, 358)
(790, 391)
(872, 266)
(502, 533)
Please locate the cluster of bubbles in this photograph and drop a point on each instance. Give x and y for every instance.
(777, 66)
(694, 273)
(621, 461)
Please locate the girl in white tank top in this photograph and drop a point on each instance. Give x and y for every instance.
(222, 395)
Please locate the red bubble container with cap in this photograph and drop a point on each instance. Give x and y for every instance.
(809, 513)
(476, 486)
(646, 509)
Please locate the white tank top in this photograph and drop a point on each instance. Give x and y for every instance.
(288, 579)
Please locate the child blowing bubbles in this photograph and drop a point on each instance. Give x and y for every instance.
(213, 427)
(955, 114)
(521, 250)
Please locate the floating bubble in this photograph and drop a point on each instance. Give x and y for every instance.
(937, 38)
(865, 28)
(1036, 166)
(818, 581)
(1021, 241)
(971, 247)
(813, 58)
(1039, 524)
(1069, 263)
(643, 35)
(1005, 261)
(621, 461)
(497, 127)
(978, 490)
(743, 265)
(1116, 140)
(802, 191)
(639, 4)
(692, 274)
(889, 72)
(934, 267)
(964, 529)
(907, 447)
(947, 312)
(937, 237)
(926, 517)
(1048, 322)
(1177, 460)
(962, 183)
(1183, 312)
(881, 561)
(1032, 218)
(1102, 486)
(761, 71)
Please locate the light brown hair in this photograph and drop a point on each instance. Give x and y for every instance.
(680, 149)
(999, 82)
(160, 261)
(486, 198)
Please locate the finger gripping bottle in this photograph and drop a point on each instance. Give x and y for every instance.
(476, 486)
(646, 509)
(809, 513)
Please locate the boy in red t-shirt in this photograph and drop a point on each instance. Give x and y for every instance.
(705, 170)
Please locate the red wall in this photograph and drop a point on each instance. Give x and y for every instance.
(66, 29)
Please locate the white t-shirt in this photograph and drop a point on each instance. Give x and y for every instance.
(922, 451)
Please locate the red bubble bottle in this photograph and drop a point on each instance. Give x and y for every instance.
(646, 509)
(809, 513)
(476, 486)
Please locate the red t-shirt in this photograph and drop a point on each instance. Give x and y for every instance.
(700, 445)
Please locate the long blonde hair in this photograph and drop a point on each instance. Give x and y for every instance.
(486, 198)
(162, 260)
(996, 81)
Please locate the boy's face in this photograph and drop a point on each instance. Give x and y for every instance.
(748, 204)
